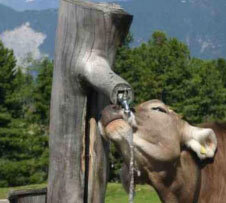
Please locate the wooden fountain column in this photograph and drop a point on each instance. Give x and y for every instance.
(88, 35)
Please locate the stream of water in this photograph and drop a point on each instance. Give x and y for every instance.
(131, 166)
(125, 105)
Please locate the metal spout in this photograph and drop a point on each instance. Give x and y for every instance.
(123, 100)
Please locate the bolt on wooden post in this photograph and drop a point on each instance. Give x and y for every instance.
(88, 35)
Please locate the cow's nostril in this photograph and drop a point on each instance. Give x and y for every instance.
(133, 110)
(114, 107)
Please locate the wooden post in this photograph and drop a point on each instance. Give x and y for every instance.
(28, 196)
(87, 38)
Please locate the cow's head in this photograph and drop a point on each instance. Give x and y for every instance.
(159, 136)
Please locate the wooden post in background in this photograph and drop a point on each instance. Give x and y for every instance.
(87, 38)
(28, 196)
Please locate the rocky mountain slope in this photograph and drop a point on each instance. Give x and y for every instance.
(201, 24)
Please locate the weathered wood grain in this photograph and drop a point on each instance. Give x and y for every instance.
(87, 38)
(28, 196)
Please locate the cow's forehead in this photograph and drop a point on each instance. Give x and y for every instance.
(148, 105)
(153, 103)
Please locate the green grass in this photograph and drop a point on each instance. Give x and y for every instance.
(115, 193)
(144, 194)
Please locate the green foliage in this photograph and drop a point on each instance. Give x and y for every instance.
(23, 154)
(19, 100)
(116, 161)
(7, 63)
(163, 69)
(24, 147)
(42, 92)
(205, 93)
(221, 67)
(150, 68)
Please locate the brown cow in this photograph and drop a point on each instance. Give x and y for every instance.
(213, 171)
(171, 155)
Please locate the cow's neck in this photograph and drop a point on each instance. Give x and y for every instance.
(180, 182)
(213, 173)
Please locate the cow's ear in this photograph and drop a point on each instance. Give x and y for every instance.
(202, 141)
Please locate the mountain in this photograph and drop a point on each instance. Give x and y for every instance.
(44, 21)
(201, 24)
(21, 5)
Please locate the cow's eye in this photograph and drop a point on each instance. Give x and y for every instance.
(159, 109)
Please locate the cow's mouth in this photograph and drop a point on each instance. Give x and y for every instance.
(111, 113)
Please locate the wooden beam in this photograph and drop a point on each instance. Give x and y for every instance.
(28, 196)
(88, 35)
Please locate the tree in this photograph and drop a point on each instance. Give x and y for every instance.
(42, 93)
(205, 93)
(7, 64)
(221, 67)
(23, 152)
(155, 67)
(163, 69)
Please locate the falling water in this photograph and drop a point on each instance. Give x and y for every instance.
(125, 105)
(131, 166)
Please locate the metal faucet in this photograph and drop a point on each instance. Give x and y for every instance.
(124, 102)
